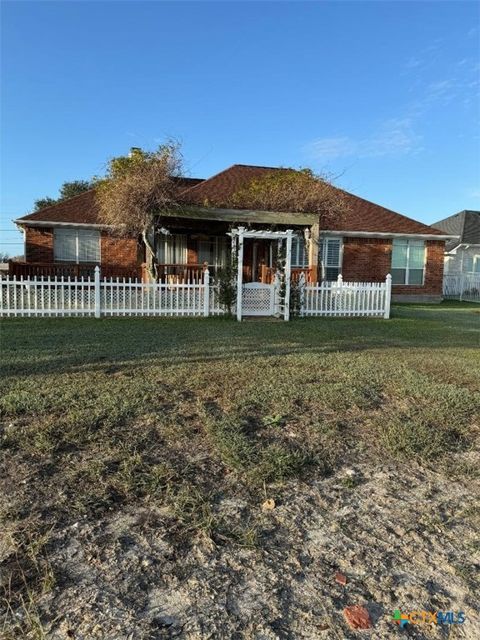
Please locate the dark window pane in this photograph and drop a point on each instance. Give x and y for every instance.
(331, 273)
(415, 276)
(398, 276)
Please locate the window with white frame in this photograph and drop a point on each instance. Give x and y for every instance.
(299, 251)
(471, 263)
(408, 261)
(331, 258)
(172, 249)
(76, 245)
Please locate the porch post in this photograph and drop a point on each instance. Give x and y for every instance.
(313, 251)
(288, 274)
(239, 272)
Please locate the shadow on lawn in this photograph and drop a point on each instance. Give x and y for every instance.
(86, 345)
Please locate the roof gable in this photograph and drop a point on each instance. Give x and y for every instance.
(471, 227)
(465, 224)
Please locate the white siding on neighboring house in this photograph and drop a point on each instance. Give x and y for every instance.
(463, 259)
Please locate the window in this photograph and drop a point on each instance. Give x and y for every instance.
(408, 262)
(172, 249)
(212, 250)
(471, 264)
(467, 263)
(76, 245)
(331, 258)
(299, 252)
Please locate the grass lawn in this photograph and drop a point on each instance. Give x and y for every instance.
(122, 435)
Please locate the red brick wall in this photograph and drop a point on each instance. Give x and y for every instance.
(114, 251)
(119, 252)
(38, 245)
(366, 259)
(369, 260)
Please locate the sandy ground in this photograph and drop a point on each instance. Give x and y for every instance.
(405, 539)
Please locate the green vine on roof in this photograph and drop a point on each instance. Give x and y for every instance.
(291, 190)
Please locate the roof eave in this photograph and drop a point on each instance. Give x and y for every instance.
(56, 223)
(243, 215)
(387, 234)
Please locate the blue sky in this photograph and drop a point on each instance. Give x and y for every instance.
(384, 95)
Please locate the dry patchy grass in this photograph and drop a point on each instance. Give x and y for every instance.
(98, 416)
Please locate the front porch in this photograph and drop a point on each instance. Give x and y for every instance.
(187, 242)
(259, 261)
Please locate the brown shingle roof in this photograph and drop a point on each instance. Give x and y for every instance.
(362, 216)
(220, 187)
(81, 209)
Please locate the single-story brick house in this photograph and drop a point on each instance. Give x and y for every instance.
(462, 252)
(366, 244)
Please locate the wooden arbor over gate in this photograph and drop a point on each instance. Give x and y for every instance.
(238, 236)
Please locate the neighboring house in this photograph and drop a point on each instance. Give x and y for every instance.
(462, 254)
(366, 244)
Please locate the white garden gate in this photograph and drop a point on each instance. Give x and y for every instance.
(258, 299)
(255, 298)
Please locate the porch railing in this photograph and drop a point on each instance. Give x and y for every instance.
(67, 270)
(266, 274)
(179, 273)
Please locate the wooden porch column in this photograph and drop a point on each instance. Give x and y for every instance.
(313, 249)
(263, 272)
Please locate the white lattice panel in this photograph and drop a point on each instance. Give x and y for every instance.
(258, 299)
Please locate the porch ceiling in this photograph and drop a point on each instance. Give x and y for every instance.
(243, 215)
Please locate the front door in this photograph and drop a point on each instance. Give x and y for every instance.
(256, 256)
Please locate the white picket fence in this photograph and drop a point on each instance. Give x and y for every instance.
(62, 297)
(462, 286)
(347, 299)
(96, 297)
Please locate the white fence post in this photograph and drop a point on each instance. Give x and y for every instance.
(206, 292)
(97, 291)
(97, 297)
(462, 286)
(340, 303)
(388, 296)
